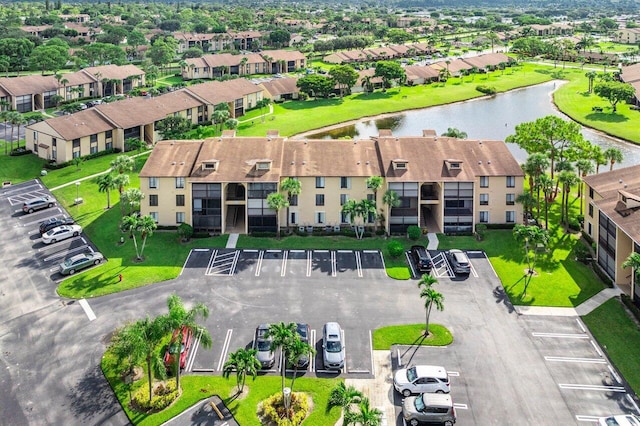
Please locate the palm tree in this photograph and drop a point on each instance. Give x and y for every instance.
(546, 184)
(292, 187)
(121, 181)
(106, 184)
(452, 132)
(146, 226)
(281, 336)
(531, 237)
(343, 396)
(122, 164)
(633, 262)
(614, 155)
(295, 350)
(181, 318)
(536, 164)
(431, 298)
(277, 202)
(585, 167)
(591, 75)
(597, 155)
(374, 183)
(352, 209)
(391, 200)
(567, 179)
(12, 117)
(243, 362)
(140, 341)
(363, 415)
(130, 200)
(527, 201)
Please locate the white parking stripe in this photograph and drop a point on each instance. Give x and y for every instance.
(460, 406)
(53, 245)
(489, 262)
(211, 260)
(373, 370)
(613, 373)
(578, 360)
(413, 271)
(581, 325)
(225, 348)
(561, 335)
(87, 309)
(334, 271)
(592, 387)
(309, 263)
(185, 263)
(64, 253)
(453, 373)
(192, 354)
(590, 419)
(234, 263)
(259, 263)
(596, 348)
(359, 264)
(312, 342)
(634, 403)
(283, 267)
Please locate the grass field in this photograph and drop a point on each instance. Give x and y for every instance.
(411, 334)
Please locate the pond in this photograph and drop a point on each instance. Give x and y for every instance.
(488, 118)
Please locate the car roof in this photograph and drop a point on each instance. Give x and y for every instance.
(437, 399)
(79, 256)
(332, 327)
(430, 371)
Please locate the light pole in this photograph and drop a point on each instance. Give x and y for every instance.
(77, 193)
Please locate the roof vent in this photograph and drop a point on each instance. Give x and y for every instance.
(358, 163)
(304, 162)
(173, 163)
(182, 163)
(219, 139)
(480, 142)
(293, 162)
(367, 163)
(489, 162)
(479, 161)
(619, 180)
(305, 141)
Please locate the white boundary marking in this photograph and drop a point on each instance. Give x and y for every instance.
(461, 406)
(312, 361)
(309, 263)
(581, 325)
(490, 265)
(613, 373)
(234, 264)
(590, 419)
(87, 309)
(453, 373)
(596, 348)
(283, 267)
(413, 272)
(572, 359)
(373, 370)
(192, 355)
(399, 358)
(632, 401)
(259, 263)
(561, 335)
(334, 271)
(225, 348)
(359, 264)
(602, 388)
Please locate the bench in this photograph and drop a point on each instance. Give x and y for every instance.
(215, 408)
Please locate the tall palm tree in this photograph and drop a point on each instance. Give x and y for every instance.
(106, 184)
(614, 155)
(567, 179)
(527, 202)
(281, 336)
(146, 226)
(633, 262)
(363, 415)
(546, 184)
(585, 167)
(352, 209)
(181, 318)
(243, 362)
(343, 396)
(122, 164)
(597, 155)
(431, 298)
(12, 117)
(295, 350)
(121, 181)
(536, 164)
(18, 120)
(130, 200)
(292, 187)
(591, 75)
(530, 237)
(374, 183)
(391, 200)
(277, 202)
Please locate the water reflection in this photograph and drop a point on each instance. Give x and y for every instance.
(491, 118)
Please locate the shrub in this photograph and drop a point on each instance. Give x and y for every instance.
(163, 395)
(395, 248)
(574, 224)
(628, 302)
(16, 152)
(413, 232)
(273, 411)
(488, 90)
(264, 234)
(185, 231)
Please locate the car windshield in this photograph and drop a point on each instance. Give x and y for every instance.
(419, 403)
(333, 346)
(263, 345)
(411, 374)
(68, 262)
(302, 331)
(173, 349)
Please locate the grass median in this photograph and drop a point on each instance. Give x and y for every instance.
(412, 335)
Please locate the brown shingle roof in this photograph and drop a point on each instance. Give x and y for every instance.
(73, 126)
(28, 84)
(283, 55)
(214, 92)
(489, 59)
(626, 219)
(171, 158)
(330, 158)
(419, 71)
(281, 86)
(115, 72)
(607, 184)
(630, 73)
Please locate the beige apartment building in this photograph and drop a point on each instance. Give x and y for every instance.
(612, 203)
(220, 185)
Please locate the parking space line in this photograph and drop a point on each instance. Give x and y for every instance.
(259, 263)
(344, 343)
(234, 263)
(334, 271)
(64, 253)
(613, 373)
(373, 370)
(459, 406)
(250, 250)
(575, 359)
(283, 267)
(603, 388)
(359, 264)
(39, 220)
(581, 325)
(596, 348)
(309, 263)
(590, 419)
(399, 357)
(184, 265)
(312, 340)
(453, 373)
(490, 265)
(413, 271)
(473, 270)
(633, 402)
(572, 359)
(211, 260)
(192, 355)
(561, 335)
(225, 348)
(87, 309)
(56, 244)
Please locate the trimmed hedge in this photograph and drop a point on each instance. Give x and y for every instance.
(628, 302)
(52, 165)
(17, 152)
(488, 90)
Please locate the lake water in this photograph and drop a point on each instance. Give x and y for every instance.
(488, 118)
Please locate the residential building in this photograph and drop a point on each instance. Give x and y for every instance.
(628, 35)
(265, 62)
(281, 88)
(612, 221)
(109, 125)
(220, 185)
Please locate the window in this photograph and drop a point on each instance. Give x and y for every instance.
(93, 138)
(591, 193)
(589, 228)
(319, 199)
(343, 199)
(179, 182)
(484, 199)
(510, 216)
(320, 219)
(153, 182)
(294, 218)
(179, 217)
(294, 200)
(108, 134)
(76, 148)
(511, 199)
(93, 144)
(153, 200)
(154, 216)
(484, 181)
(179, 200)
(320, 182)
(484, 217)
(511, 182)
(345, 183)
(345, 217)
(590, 210)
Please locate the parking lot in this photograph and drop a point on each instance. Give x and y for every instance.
(43, 257)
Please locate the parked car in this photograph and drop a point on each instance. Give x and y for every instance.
(429, 408)
(459, 261)
(178, 347)
(61, 233)
(54, 222)
(421, 258)
(620, 420)
(37, 203)
(421, 379)
(262, 343)
(80, 261)
(332, 346)
(303, 331)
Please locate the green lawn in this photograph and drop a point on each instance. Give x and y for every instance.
(411, 334)
(18, 169)
(619, 335)
(291, 118)
(196, 388)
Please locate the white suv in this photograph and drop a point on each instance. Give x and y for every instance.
(421, 379)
